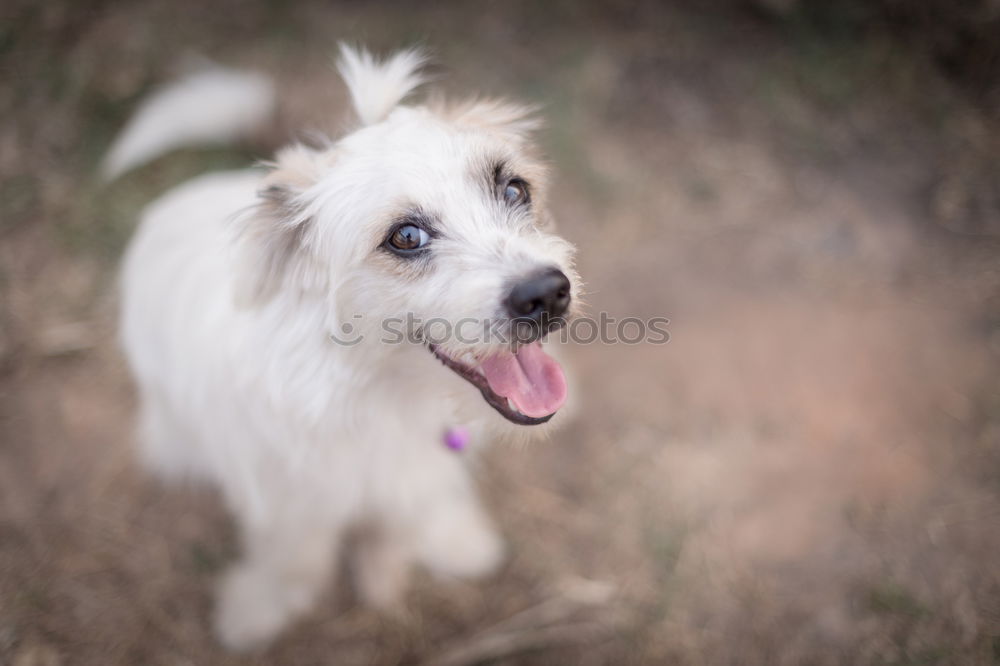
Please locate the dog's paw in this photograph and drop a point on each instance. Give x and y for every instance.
(253, 608)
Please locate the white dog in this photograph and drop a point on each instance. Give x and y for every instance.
(261, 314)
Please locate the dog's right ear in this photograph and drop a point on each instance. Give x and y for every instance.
(377, 86)
(274, 233)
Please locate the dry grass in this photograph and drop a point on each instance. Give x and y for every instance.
(808, 473)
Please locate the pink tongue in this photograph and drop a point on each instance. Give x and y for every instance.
(531, 378)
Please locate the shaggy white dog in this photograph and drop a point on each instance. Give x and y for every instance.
(279, 327)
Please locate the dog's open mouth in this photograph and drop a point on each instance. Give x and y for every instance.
(527, 386)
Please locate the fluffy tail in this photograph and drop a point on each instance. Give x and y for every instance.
(212, 106)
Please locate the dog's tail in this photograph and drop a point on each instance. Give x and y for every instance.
(211, 106)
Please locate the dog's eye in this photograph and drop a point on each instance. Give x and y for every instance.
(516, 192)
(408, 237)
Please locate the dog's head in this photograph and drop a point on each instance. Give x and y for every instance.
(430, 223)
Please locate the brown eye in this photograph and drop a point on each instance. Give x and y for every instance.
(516, 192)
(409, 237)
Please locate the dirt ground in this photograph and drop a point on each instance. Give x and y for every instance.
(808, 473)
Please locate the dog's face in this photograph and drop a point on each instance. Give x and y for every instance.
(429, 228)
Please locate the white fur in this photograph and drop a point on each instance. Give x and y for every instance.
(232, 287)
(378, 86)
(213, 105)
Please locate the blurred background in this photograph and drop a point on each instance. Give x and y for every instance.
(809, 472)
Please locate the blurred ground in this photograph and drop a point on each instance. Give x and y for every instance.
(808, 473)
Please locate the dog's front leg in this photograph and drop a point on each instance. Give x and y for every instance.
(287, 561)
(454, 536)
(381, 564)
(435, 519)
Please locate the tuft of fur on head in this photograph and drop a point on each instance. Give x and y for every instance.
(376, 86)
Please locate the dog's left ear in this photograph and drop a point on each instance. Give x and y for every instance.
(274, 233)
(515, 122)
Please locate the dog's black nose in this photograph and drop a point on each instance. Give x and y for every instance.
(545, 295)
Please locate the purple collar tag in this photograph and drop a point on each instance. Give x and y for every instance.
(456, 438)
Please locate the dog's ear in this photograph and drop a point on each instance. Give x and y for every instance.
(515, 122)
(376, 86)
(274, 232)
